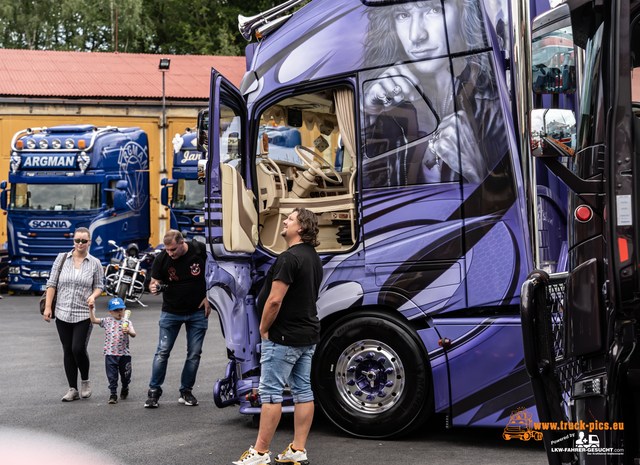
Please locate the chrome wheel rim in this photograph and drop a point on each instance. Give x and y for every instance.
(369, 376)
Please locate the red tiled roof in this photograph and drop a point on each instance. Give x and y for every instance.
(38, 73)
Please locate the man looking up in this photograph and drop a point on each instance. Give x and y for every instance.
(290, 330)
(180, 266)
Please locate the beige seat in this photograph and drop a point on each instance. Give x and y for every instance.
(239, 216)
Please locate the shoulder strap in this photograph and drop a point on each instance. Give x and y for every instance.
(64, 258)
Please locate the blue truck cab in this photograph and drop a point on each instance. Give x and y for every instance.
(65, 177)
(187, 196)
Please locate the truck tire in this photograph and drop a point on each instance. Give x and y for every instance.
(123, 290)
(371, 376)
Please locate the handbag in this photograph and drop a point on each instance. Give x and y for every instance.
(43, 298)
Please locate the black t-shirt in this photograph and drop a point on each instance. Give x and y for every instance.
(185, 277)
(297, 322)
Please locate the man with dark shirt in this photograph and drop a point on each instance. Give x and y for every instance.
(290, 329)
(180, 266)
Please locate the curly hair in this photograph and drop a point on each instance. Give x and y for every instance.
(308, 222)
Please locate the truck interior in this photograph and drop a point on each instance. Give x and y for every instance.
(306, 158)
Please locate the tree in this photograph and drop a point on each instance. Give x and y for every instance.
(200, 27)
(79, 25)
(196, 27)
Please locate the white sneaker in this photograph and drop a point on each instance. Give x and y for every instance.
(293, 458)
(253, 457)
(85, 389)
(71, 395)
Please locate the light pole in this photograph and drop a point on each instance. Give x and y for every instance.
(164, 66)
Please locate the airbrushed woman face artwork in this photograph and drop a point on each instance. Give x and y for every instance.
(421, 30)
(427, 94)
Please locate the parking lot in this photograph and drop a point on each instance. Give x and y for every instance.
(36, 427)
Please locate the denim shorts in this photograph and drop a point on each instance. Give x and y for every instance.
(281, 364)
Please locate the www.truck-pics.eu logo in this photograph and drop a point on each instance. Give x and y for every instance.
(49, 224)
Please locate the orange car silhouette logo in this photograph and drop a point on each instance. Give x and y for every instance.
(520, 426)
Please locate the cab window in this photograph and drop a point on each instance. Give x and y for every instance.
(305, 157)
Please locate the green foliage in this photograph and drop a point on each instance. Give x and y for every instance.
(200, 27)
(80, 25)
(196, 27)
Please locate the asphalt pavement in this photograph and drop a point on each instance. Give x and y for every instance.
(37, 428)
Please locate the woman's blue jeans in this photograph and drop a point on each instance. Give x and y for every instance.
(196, 325)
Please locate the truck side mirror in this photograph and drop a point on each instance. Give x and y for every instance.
(120, 196)
(3, 198)
(553, 133)
(164, 196)
(203, 130)
(122, 185)
(164, 192)
(553, 59)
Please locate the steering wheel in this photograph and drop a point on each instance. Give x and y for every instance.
(316, 163)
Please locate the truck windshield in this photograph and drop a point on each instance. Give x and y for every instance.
(55, 197)
(188, 194)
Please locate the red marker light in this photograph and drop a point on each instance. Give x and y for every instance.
(623, 249)
(583, 213)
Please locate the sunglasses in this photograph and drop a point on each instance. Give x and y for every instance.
(78, 241)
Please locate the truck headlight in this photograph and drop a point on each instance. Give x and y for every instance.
(69, 144)
(31, 144)
(44, 274)
(43, 144)
(14, 270)
(56, 144)
(16, 160)
(34, 274)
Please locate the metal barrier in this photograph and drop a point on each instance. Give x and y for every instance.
(552, 375)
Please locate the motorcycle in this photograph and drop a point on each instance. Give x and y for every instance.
(126, 278)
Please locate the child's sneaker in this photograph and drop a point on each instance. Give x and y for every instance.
(253, 457)
(113, 398)
(293, 457)
(124, 393)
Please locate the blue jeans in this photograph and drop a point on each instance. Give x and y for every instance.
(170, 324)
(281, 364)
(118, 364)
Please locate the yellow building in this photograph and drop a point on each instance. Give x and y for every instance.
(49, 88)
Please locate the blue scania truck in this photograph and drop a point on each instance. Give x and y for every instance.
(65, 177)
(187, 196)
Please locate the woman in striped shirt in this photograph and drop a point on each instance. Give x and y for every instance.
(80, 283)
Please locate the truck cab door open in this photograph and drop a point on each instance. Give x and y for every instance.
(233, 222)
(231, 234)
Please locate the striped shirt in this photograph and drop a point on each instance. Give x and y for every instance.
(72, 291)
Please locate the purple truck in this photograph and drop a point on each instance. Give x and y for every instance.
(408, 155)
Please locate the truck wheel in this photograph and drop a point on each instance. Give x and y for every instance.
(371, 376)
(123, 290)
